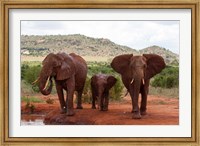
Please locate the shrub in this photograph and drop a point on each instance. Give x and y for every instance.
(168, 78)
(26, 88)
(24, 68)
(31, 74)
(86, 96)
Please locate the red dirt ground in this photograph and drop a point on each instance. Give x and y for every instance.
(160, 111)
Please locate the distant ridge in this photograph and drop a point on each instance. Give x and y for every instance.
(35, 45)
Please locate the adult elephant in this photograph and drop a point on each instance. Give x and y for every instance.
(136, 72)
(100, 85)
(69, 72)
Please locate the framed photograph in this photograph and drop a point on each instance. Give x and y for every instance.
(106, 72)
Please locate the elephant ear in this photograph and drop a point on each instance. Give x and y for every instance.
(121, 63)
(155, 64)
(67, 68)
(93, 79)
(110, 82)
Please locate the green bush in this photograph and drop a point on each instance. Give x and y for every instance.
(24, 68)
(26, 88)
(168, 78)
(99, 67)
(86, 96)
(31, 74)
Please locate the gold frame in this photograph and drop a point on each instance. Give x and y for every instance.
(182, 4)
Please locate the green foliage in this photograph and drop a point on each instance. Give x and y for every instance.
(86, 96)
(168, 92)
(31, 99)
(26, 88)
(24, 68)
(99, 67)
(30, 74)
(168, 78)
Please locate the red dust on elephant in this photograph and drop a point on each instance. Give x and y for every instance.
(69, 72)
(136, 72)
(100, 85)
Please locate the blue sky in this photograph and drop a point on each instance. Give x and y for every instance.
(134, 34)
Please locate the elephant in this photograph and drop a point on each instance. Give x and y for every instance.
(100, 85)
(136, 72)
(69, 72)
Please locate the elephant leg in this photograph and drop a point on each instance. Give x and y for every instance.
(145, 91)
(101, 100)
(135, 96)
(143, 103)
(106, 102)
(93, 99)
(70, 93)
(79, 102)
(61, 98)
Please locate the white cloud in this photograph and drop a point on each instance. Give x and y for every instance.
(135, 34)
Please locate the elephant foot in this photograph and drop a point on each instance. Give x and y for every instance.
(79, 107)
(70, 112)
(136, 115)
(143, 112)
(105, 109)
(63, 111)
(93, 107)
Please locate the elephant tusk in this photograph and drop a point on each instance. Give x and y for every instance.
(35, 81)
(143, 81)
(46, 83)
(132, 80)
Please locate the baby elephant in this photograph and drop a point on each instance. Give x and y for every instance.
(101, 85)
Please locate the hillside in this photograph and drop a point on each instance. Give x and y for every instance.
(85, 46)
(170, 57)
(80, 44)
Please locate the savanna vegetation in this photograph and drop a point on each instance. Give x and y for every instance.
(165, 83)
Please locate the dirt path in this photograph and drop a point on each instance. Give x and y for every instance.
(160, 111)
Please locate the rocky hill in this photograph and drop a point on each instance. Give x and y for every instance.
(34, 45)
(170, 57)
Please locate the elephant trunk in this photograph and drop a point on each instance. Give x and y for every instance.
(135, 85)
(43, 86)
(138, 75)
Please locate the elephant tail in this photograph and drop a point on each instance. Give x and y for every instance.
(126, 93)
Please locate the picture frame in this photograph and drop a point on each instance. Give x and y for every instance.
(111, 4)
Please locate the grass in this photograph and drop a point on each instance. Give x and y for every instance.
(172, 92)
(26, 88)
(31, 99)
(32, 63)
